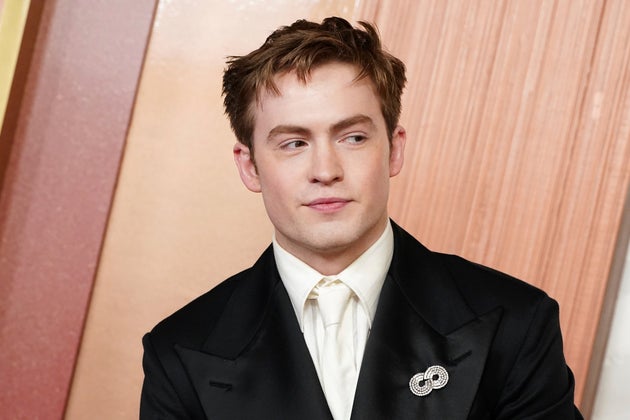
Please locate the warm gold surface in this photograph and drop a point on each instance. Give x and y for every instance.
(12, 18)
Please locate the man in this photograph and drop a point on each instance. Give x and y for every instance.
(346, 315)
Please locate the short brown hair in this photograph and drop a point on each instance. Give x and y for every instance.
(301, 47)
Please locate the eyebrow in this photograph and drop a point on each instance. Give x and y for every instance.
(288, 129)
(349, 122)
(336, 127)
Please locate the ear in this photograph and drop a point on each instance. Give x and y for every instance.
(246, 167)
(397, 151)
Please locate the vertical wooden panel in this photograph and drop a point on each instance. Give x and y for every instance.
(66, 128)
(518, 115)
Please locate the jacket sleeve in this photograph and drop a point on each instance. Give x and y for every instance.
(159, 398)
(540, 385)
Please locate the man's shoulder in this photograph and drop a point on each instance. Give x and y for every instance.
(485, 288)
(191, 324)
(481, 286)
(489, 284)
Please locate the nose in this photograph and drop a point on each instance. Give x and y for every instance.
(325, 165)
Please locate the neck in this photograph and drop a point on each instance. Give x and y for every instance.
(333, 260)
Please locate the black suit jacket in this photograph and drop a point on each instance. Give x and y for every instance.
(237, 352)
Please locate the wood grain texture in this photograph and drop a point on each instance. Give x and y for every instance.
(518, 119)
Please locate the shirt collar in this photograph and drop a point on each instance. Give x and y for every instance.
(365, 276)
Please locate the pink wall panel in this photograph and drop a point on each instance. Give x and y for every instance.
(66, 139)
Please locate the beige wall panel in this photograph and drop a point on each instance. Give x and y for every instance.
(181, 221)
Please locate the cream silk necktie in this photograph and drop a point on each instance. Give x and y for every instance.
(337, 362)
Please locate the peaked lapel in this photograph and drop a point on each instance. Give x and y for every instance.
(255, 362)
(422, 320)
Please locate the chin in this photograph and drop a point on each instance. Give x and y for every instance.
(327, 242)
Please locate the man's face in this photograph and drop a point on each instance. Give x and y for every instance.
(323, 163)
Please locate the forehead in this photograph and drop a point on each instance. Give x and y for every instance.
(330, 92)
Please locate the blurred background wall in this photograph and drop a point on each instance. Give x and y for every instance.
(63, 134)
(120, 201)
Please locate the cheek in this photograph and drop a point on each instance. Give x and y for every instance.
(273, 206)
(376, 168)
(276, 190)
(371, 178)
(380, 177)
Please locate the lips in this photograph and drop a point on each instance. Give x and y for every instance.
(328, 204)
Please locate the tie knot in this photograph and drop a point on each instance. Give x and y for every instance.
(332, 299)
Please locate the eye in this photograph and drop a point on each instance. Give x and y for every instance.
(293, 144)
(355, 139)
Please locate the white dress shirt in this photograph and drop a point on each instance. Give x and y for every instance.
(365, 277)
